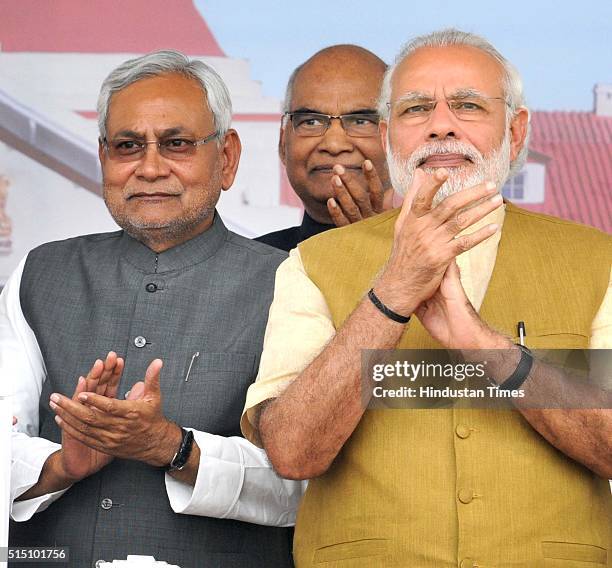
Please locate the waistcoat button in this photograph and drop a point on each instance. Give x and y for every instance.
(463, 431)
(106, 503)
(466, 496)
(140, 341)
(467, 563)
(151, 287)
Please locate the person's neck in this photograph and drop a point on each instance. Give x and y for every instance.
(158, 242)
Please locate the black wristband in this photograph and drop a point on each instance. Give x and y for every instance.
(182, 455)
(385, 310)
(516, 379)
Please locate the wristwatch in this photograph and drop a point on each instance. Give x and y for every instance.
(182, 455)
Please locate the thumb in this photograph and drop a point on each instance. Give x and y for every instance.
(151, 380)
(136, 392)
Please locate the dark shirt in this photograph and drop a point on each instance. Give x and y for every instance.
(287, 239)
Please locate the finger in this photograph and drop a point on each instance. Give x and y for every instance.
(418, 179)
(345, 200)
(93, 376)
(464, 199)
(151, 380)
(336, 214)
(80, 387)
(113, 384)
(136, 392)
(358, 192)
(80, 436)
(107, 372)
(426, 191)
(80, 416)
(109, 406)
(466, 242)
(466, 218)
(375, 187)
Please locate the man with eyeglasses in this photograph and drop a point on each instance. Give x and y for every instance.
(457, 269)
(103, 464)
(329, 142)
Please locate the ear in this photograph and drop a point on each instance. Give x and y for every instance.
(518, 132)
(281, 143)
(101, 152)
(383, 127)
(231, 156)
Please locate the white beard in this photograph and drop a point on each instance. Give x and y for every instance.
(494, 167)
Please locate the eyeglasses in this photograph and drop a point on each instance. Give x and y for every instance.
(473, 108)
(171, 148)
(316, 124)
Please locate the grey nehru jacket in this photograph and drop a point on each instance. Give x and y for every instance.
(86, 296)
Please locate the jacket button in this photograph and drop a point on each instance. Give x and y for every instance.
(465, 496)
(140, 341)
(106, 503)
(467, 563)
(151, 287)
(463, 431)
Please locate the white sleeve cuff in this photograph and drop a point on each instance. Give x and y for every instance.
(28, 458)
(235, 480)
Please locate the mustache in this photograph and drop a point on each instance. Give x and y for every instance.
(440, 147)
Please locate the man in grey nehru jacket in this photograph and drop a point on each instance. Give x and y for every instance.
(103, 464)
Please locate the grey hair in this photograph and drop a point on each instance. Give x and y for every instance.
(289, 89)
(165, 62)
(512, 83)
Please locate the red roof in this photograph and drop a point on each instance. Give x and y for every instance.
(109, 26)
(579, 174)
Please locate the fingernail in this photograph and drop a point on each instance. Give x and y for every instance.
(338, 181)
(332, 202)
(496, 198)
(368, 165)
(339, 169)
(81, 379)
(58, 419)
(493, 227)
(82, 397)
(55, 397)
(490, 185)
(53, 405)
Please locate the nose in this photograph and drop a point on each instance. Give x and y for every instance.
(442, 123)
(335, 140)
(152, 165)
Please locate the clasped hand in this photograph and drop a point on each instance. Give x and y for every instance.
(131, 429)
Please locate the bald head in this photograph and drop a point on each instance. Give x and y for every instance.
(330, 60)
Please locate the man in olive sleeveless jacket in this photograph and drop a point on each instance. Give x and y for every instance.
(435, 488)
(174, 287)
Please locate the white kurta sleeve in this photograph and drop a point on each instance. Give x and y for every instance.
(22, 374)
(236, 481)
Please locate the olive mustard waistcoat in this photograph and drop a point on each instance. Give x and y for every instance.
(463, 487)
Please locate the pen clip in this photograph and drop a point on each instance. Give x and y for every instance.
(193, 358)
(522, 333)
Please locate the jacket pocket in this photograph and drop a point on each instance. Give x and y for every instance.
(365, 548)
(575, 551)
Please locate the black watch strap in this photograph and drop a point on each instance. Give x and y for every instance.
(516, 379)
(182, 455)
